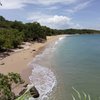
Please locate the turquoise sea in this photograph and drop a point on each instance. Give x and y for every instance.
(71, 61)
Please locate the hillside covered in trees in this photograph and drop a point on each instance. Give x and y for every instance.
(13, 33)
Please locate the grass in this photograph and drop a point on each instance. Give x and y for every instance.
(80, 96)
(75, 96)
(26, 95)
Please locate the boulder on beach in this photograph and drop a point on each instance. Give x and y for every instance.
(34, 92)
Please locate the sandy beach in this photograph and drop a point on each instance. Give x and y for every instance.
(18, 61)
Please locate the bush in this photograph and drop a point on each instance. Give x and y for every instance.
(6, 82)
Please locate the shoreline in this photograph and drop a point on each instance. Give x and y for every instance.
(18, 62)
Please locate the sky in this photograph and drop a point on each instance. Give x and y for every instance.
(56, 14)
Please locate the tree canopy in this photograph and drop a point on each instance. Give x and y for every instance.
(13, 33)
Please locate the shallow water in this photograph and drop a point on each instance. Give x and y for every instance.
(43, 76)
(75, 61)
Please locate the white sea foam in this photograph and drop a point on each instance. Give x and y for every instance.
(61, 38)
(44, 80)
(42, 77)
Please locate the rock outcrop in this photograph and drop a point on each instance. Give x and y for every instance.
(34, 92)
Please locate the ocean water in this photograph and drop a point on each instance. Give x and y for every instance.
(71, 61)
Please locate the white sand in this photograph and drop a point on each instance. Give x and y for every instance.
(18, 61)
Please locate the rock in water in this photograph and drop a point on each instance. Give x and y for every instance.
(34, 92)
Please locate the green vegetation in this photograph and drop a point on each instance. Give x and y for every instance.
(81, 96)
(6, 82)
(10, 38)
(24, 96)
(13, 33)
(80, 31)
(31, 91)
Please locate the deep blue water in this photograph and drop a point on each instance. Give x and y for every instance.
(77, 64)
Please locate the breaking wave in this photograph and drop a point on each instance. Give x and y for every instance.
(42, 77)
(44, 80)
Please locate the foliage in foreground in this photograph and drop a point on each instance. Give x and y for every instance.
(6, 82)
(80, 96)
(30, 91)
(24, 96)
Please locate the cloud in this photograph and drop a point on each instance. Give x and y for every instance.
(50, 2)
(79, 7)
(17, 4)
(12, 4)
(53, 21)
(53, 8)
